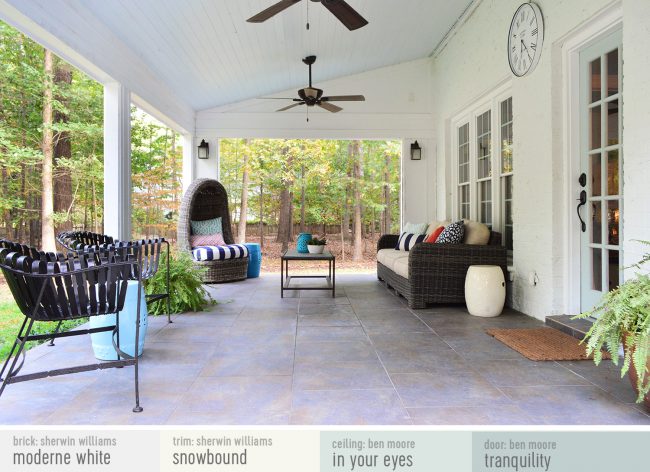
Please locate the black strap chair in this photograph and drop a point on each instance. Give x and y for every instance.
(150, 251)
(54, 288)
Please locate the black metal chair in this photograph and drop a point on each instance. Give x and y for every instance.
(50, 287)
(150, 250)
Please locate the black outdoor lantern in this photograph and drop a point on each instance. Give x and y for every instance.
(416, 152)
(204, 150)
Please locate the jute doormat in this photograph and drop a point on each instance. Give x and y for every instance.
(543, 344)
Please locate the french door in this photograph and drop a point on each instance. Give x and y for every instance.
(600, 203)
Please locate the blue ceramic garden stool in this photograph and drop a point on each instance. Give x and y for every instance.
(301, 242)
(103, 342)
(254, 260)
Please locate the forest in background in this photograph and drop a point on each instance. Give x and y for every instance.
(344, 189)
(51, 151)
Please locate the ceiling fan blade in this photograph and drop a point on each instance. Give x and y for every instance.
(291, 106)
(344, 98)
(277, 98)
(272, 11)
(329, 107)
(345, 13)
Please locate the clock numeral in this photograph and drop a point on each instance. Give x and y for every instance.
(534, 32)
(533, 46)
(532, 20)
(514, 48)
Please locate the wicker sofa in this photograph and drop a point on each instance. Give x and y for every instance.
(203, 200)
(435, 273)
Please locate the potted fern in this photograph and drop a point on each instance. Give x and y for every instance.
(623, 318)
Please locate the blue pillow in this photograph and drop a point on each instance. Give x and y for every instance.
(206, 227)
(408, 240)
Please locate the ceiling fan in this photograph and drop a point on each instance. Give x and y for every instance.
(339, 8)
(312, 96)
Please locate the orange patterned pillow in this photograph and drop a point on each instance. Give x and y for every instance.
(433, 236)
(198, 240)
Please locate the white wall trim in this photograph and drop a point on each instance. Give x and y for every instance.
(600, 25)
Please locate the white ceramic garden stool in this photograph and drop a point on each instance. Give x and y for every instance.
(485, 290)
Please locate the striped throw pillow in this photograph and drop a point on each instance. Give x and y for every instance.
(408, 240)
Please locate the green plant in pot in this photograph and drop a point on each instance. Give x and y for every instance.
(623, 318)
(316, 245)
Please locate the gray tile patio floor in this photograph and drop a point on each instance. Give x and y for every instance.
(361, 358)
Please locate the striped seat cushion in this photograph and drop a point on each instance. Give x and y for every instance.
(216, 253)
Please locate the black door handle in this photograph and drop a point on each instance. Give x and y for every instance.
(583, 201)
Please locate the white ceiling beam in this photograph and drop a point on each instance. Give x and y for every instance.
(72, 32)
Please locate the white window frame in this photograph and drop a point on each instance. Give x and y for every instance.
(490, 101)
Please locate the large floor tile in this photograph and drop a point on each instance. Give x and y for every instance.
(341, 376)
(522, 372)
(470, 415)
(328, 320)
(249, 364)
(315, 334)
(335, 352)
(348, 407)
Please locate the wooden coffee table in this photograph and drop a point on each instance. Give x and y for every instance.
(293, 255)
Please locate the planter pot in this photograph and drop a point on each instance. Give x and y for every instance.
(301, 242)
(634, 376)
(315, 249)
(103, 342)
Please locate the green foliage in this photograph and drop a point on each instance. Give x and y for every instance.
(186, 287)
(623, 317)
(317, 242)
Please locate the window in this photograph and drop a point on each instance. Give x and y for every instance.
(463, 171)
(485, 165)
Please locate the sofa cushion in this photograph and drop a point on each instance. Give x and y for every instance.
(476, 233)
(387, 257)
(408, 240)
(415, 228)
(452, 234)
(216, 253)
(401, 267)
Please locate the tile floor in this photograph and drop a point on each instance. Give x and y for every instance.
(361, 358)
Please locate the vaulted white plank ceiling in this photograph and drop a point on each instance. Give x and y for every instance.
(209, 55)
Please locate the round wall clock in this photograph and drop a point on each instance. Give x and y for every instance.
(525, 39)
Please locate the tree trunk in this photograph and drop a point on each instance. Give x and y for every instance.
(387, 216)
(284, 220)
(302, 201)
(261, 216)
(243, 212)
(356, 175)
(62, 150)
(47, 199)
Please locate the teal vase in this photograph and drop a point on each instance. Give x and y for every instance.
(301, 243)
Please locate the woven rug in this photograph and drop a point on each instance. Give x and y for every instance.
(543, 344)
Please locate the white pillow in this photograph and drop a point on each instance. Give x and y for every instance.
(415, 228)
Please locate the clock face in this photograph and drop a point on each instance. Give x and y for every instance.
(525, 39)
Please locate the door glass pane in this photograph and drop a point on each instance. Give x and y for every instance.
(595, 80)
(612, 123)
(594, 128)
(596, 269)
(485, 202)
(595, 175)
(483, 144)
(596, 222)
(506, 136)
(463, 153)
(507, 211)
(613, 220)
(612, 172)
(614, 269)
(612, 73)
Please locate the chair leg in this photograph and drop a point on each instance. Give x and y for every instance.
(13, 348)
(137, 408)
(56, 331)
(21, 346)
(169, 294)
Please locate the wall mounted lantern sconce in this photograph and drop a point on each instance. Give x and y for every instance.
(204, 150)
(416, 152)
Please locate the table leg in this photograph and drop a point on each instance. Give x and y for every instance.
(334, 278)
(281, 278)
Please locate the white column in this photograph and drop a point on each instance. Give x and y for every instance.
(189, 169)
(117, 161)
(208, 168)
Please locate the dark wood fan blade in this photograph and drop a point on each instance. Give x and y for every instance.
(344, 98)
(291, 106)
(345, 13)
(329, 107)
(272, 11)
(276, 98)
